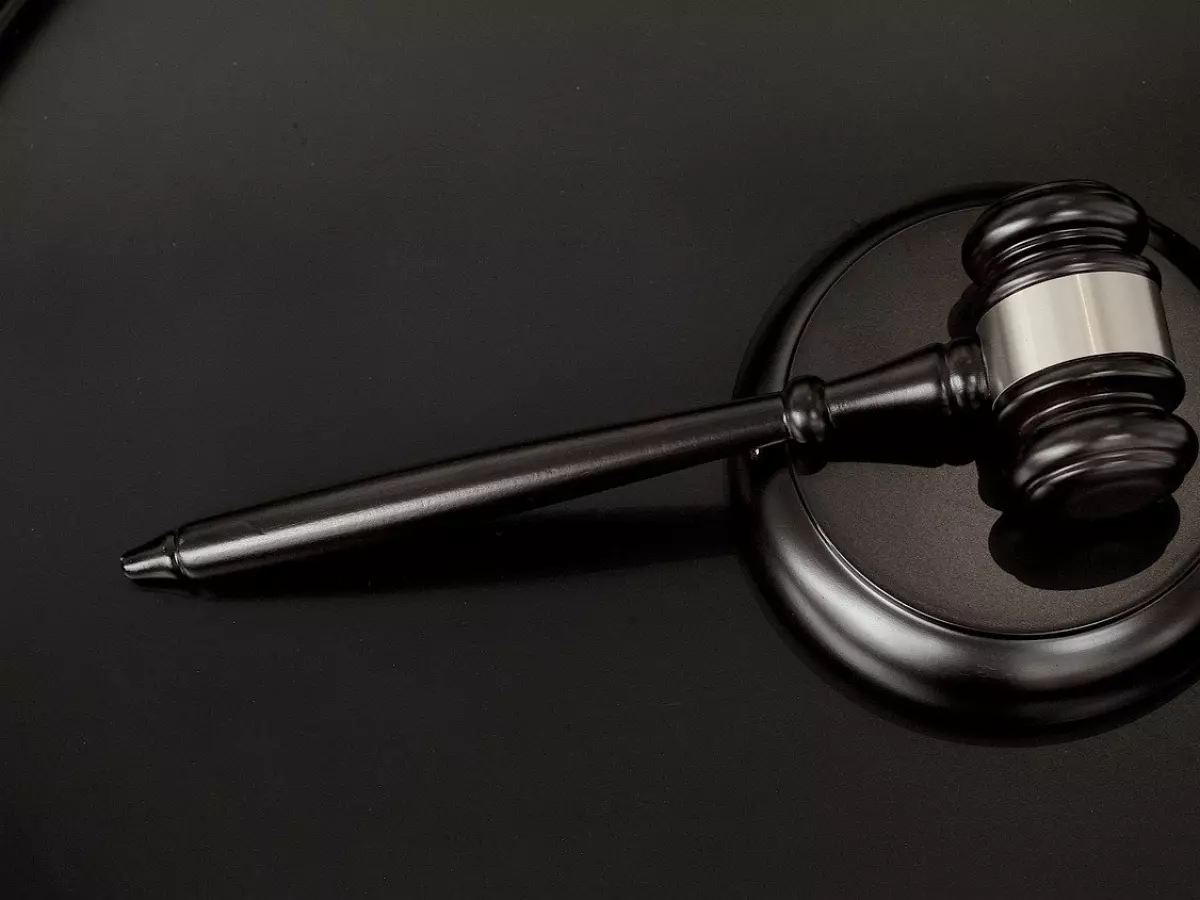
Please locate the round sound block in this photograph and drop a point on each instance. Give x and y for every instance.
(906, 577)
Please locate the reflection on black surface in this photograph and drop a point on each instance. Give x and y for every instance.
(20, 20)
(541, 545)
(959, 322)
(1082, 555)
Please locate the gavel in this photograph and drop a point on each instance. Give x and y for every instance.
(1065, 382)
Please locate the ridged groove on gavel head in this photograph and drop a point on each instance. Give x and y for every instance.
(1051, 230)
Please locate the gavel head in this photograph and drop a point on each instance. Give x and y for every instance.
(1078, 357)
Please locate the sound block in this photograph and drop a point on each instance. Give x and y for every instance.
(905, 578)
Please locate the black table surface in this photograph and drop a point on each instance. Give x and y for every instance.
(252, 248)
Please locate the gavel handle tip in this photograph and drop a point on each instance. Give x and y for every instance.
(155, 561)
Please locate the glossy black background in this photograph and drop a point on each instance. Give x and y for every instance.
(248, 248)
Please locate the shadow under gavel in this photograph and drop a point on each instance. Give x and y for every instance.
(1089, 555)
(527, 547)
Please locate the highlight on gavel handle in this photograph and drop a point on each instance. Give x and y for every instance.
(919, 409)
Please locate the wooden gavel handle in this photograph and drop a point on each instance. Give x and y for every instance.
(922, 409)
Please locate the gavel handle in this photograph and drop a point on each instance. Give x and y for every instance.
(909, 411)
